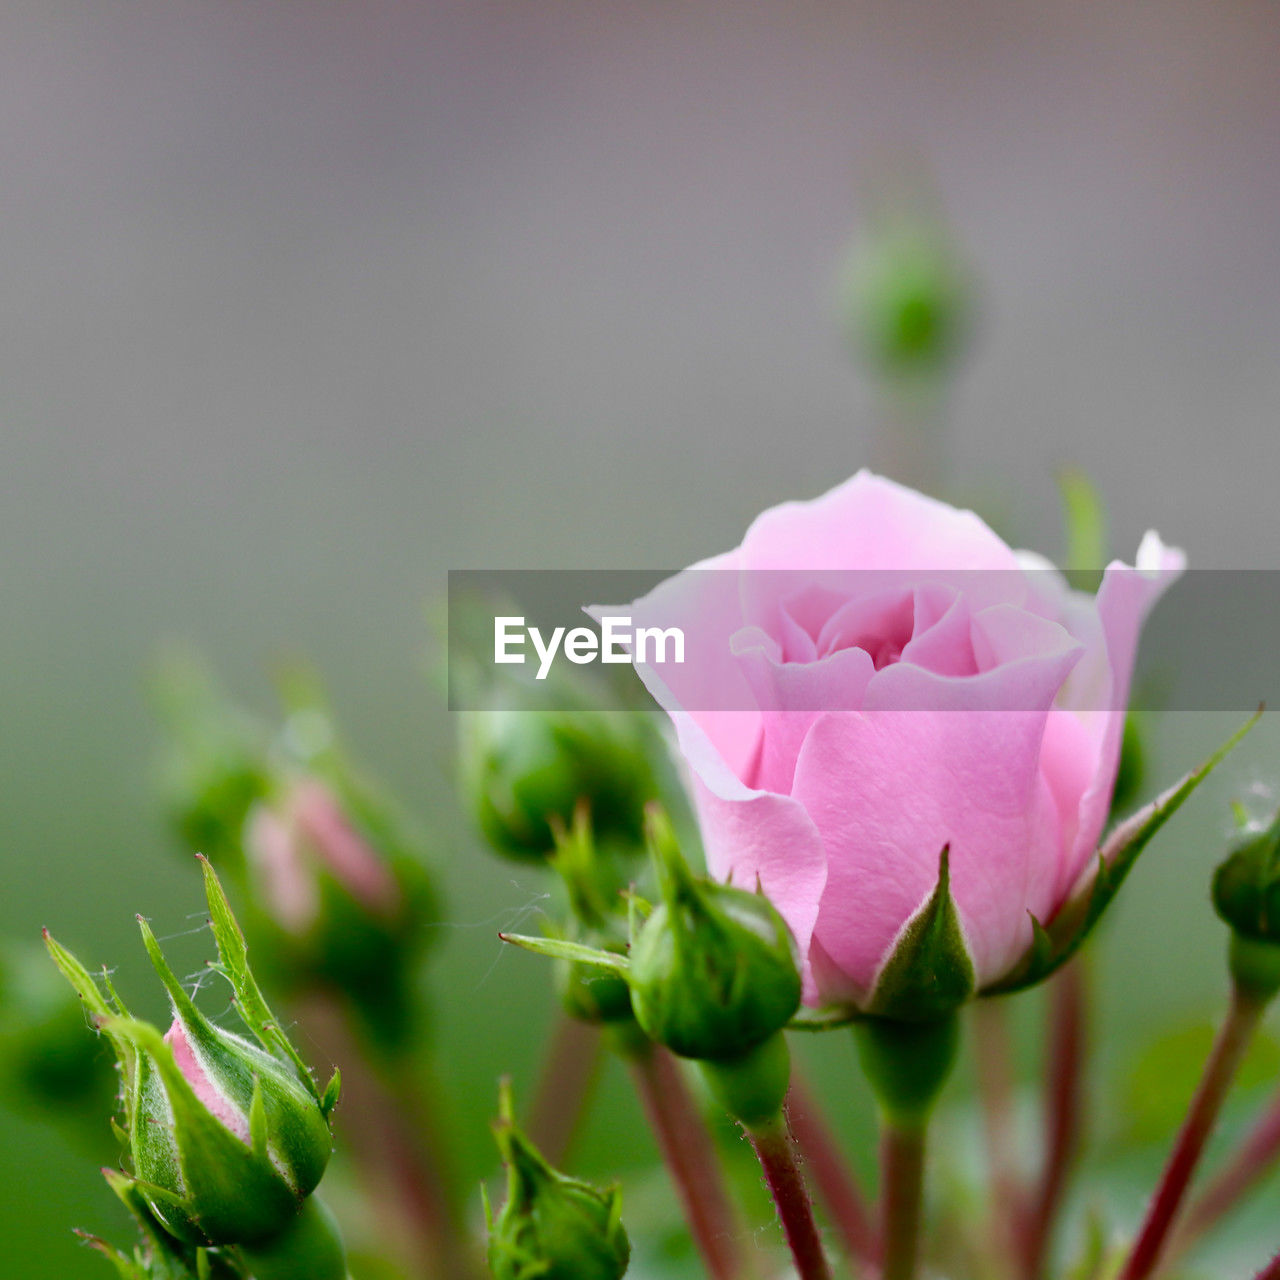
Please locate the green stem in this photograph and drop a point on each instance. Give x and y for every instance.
(309, 1248)
(906, 1064)
(1228, 1050)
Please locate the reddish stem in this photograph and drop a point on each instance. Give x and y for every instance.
(1233, 1040)
(690, 1158)
(776, 1152)
(1271, 1271)
(994, 1053)
(1255, 1158)
(901, 1198)
(832, 1176)
(394, 1139)
(568, 1074)
(1064, 1110)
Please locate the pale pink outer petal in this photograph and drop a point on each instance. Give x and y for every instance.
(1126, 596)
(748, 835)
(888, 788)
(872, 523)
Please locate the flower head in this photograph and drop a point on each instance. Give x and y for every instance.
(873, 677)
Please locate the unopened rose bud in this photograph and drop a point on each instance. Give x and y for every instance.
(907, 299)
(341, 901)
(552, 1227)
(227, 1137)
(523, 769)
(1246, 894)
(713, 969)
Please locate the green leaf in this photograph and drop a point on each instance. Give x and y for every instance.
(930, 972)
(559, 949)
(1075, 921)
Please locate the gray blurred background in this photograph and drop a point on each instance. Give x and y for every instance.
(305, 303)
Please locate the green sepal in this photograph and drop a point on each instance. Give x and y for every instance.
(332, 1093)
(251, 1005)
(575, 952)
(1115, 859)
(829, 1017)
(930, 971)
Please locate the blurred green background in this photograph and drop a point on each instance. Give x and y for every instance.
(306, 304)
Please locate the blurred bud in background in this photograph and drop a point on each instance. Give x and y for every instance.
(335, 877)
(523, 768)
(48, 1065)
(338, 876)
(908, 304)
(1246, 895)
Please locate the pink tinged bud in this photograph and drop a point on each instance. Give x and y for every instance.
(311, 834)
(193, 1070)
(341, 849)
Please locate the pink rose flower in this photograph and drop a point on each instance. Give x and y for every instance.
(840, 728)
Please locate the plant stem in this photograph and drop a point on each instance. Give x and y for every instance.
(1252, 1161)
(689, 1155)
(1233, 1039)
(832, 1176)
(1064, 1110)
(1271, 1271)
(393, 1139)
(776, 1152)
(901, 1196)
(568, 1074)
(993, 1052)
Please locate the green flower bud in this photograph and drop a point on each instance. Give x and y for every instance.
(226, 1137)
(907, 299)
(713, 969)
(522, 769)
(1246, 887)
(552, 1227)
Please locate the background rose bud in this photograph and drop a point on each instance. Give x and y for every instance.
(524, 769)
(841, 728)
